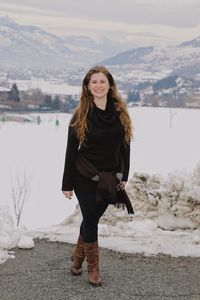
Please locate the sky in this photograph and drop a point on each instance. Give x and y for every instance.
(146, 21)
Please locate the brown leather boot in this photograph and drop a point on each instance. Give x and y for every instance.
(92, 256)
(78, 257)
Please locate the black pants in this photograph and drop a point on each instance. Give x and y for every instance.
(85, 190)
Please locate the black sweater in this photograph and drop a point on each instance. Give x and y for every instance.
(103, 147)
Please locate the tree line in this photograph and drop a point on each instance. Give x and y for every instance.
(35, 99)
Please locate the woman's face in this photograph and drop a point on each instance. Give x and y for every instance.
(98, 85)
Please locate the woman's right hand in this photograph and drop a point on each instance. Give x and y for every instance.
(68, 194)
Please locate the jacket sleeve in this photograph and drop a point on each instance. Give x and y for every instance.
(70, 158)
(125, 150)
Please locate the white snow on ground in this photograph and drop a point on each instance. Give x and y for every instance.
(26, 242)
(164, 189)
(9, 235)
(166, 219)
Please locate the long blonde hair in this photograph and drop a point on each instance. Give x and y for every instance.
(79, 119)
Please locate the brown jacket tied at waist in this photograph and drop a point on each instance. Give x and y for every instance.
(108, 183)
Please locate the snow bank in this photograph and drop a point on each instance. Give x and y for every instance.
(26, 242)
(173, 202)
(9, 236)
(166, 219)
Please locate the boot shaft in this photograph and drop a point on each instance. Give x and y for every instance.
(92, 257)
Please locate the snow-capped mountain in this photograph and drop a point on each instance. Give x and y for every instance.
(30, 47)
(155, 62)
(193, 43)
(129, 57)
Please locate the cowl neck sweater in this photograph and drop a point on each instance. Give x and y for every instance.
(104, 146)
(104, 139)
(104, 117)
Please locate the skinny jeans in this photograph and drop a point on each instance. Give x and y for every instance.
(85, 191)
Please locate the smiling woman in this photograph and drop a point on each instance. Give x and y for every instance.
(99, 87)
(97, 161)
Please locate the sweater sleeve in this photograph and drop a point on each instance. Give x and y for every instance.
(125, 150)
(70, 158)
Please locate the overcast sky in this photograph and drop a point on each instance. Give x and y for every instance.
(168, 21)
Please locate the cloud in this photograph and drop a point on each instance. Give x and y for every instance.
(150, 21)
(6, 8)
(178, 13)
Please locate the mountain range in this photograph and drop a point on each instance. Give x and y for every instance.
(182, 60)
(32, 48)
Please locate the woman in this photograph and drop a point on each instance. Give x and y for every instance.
(99, 137)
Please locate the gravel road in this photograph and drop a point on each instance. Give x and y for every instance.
(43, 273)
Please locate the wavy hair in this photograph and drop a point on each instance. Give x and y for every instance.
(79, 119)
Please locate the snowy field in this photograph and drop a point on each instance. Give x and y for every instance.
(50, 87)
(36, 153)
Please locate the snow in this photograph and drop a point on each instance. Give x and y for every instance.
(157, 64)
(4, 89)
(26, 242)
(164, 185)
(49, 87)
(9, 236)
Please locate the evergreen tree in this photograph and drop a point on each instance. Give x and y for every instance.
(70, 104)
(133, 96)
(13, 95)
(48, 101)
(165, 83)
(56, 103)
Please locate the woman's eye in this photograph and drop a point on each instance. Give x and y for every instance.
(95, 82)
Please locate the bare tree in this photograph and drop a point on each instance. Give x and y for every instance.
(20, 192)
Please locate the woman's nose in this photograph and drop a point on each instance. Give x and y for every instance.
(98, 84)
